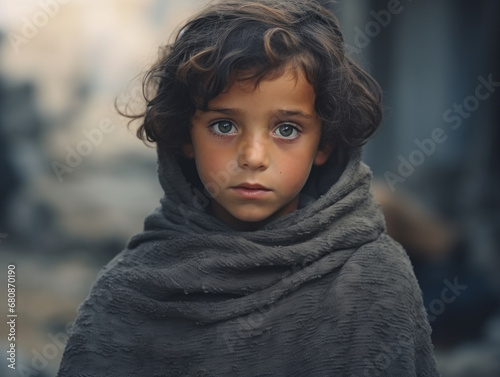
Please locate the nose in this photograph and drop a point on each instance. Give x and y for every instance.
(253, 153)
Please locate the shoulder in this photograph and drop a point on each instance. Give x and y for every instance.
(378, 304)
(379, 278)
(383, 262)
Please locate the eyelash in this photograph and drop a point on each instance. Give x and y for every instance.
(211, 127)
(283, 139)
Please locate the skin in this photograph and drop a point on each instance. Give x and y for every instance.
(266, 134)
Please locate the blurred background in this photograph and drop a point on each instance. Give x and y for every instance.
(75, 183)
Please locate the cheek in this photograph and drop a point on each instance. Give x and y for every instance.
(295, 171)
(210, 163)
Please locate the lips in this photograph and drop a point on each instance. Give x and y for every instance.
(252, 186)
(251, 190)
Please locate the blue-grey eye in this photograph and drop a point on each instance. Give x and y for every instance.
(287, 131)
(223, 127)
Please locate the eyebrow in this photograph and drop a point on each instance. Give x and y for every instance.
(280, 112)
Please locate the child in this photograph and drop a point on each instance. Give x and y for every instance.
(268, 255)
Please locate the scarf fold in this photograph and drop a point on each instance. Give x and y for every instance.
(188, 278)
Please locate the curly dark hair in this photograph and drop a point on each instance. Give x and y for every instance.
(253, 40)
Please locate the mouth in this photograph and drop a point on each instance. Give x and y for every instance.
(251, 190)
(252, 186)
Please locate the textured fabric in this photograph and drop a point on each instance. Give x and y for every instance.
(322, 291)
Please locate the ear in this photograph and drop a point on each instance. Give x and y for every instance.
(187, 150)
(322, 154)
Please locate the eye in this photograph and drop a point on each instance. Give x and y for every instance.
(287, 131)
(223, 127)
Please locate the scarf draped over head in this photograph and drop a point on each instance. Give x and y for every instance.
(321, 291)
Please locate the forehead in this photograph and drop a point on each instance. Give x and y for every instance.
(288, 89)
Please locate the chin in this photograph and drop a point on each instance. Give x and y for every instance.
(251, 216)
(251, 219)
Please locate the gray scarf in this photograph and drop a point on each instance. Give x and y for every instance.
(322, 291)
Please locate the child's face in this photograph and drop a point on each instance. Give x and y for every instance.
(254, 148)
